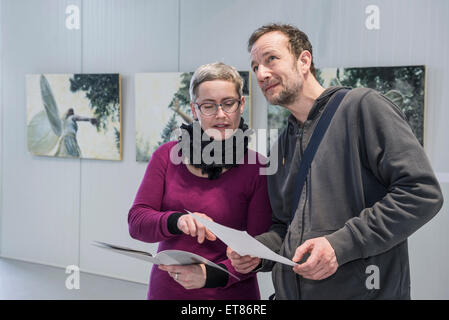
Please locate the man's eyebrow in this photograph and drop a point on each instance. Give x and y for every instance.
(270, 52)
(266, 53)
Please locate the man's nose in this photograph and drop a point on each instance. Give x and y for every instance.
(262, 73)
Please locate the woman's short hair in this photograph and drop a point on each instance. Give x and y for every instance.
(215, 71)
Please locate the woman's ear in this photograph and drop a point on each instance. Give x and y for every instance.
(242, 104)
(194, 113)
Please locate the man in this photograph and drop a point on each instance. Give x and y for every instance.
(369, 187)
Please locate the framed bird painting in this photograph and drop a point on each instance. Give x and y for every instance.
(74, 115)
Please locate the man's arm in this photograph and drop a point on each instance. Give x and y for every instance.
(397, 160)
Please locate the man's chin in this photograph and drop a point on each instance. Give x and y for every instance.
(272, 99)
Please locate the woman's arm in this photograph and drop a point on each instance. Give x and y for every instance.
(146, 221)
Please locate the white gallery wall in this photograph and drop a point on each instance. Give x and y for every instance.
(52, 208)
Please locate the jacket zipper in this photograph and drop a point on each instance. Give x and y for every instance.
(301, 134)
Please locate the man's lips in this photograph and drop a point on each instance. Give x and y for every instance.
(270, 86)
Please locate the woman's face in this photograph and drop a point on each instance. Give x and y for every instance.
(220, 125)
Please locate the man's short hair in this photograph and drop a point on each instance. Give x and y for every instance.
(298, 40)
(215, 71)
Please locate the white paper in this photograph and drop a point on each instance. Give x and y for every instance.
(166, 257)
(241, 242)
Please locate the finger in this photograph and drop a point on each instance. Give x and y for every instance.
(201, 231)
(250, 265)
(321, 274)
(301, 250)
(240, 261)
(232, 254)
(206, 217)
(311, 263)
(326, 275)
(246, 265)
(173, 269)
(311, 274)
(182, 225)
(247, 269)
(192, 226)
(229, 252)
(210, 236)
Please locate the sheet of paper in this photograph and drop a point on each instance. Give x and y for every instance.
(167, 257)
(241, 242)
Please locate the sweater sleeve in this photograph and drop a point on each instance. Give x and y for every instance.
(258, 220)
(146, 221)
(394, 156)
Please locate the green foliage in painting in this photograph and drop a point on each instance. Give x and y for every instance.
(103, 93)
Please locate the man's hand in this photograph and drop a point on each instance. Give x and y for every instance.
(191, 276)
(188, 225)
(242, 264)
(322, 262)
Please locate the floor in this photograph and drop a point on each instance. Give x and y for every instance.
(29, 281)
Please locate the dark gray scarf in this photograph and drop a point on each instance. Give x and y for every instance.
(203, 154)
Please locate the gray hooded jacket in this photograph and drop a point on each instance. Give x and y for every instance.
(370, 186)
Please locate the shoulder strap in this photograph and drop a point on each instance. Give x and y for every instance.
(313, 145)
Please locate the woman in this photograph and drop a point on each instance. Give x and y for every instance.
(230, 192)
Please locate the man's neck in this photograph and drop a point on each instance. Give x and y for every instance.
(310, 91)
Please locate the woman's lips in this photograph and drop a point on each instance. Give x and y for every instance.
(221, 126)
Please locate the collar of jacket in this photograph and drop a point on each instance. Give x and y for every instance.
(293, 125)
(317, 107)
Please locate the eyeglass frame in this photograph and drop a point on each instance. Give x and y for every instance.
(238, 101)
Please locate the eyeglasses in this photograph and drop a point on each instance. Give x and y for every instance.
(210, 109)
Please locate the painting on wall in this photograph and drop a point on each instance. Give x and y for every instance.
(162, 104)
(74, 115)
(404, 85)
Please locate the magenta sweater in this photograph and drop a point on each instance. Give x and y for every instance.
(238, 199)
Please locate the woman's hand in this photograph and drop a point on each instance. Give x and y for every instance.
(190, 277)
(188, 225)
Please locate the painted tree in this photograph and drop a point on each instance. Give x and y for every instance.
(103, 92)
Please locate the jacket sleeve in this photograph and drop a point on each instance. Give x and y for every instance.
(274, 238)
(397, 160)
(146, 221)
(258, 220)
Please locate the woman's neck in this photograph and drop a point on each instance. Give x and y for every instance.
(198, 171)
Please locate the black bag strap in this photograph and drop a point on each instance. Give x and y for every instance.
(313, 145)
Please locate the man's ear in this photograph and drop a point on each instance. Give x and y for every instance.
(304, 60)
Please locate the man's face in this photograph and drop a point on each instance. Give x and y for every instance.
(276, 69)
(221, 125)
